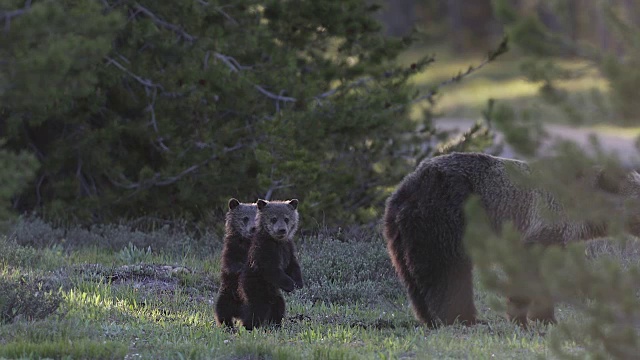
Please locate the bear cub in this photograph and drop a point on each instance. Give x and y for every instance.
(240, 226)
(271, 265)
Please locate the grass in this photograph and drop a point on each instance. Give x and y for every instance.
(109, 303)
(503, 81)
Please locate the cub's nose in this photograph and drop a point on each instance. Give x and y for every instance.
(252, 229)
(282, 231)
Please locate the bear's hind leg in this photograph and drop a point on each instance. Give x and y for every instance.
(277, 311)
(458, 302)
(542, 310)
(225, 310)
(401, 261)
(255, 315)
(517, 308)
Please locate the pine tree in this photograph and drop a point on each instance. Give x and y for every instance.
(141, 108)
(17, 170)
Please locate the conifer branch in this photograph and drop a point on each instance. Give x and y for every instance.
(491, 56)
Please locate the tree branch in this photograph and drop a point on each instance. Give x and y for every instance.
(176, 29)
(155, 180)
(151, 109)
(221, 11)
(491, 56)
(274, 96)
(145, 82)
(8, 15)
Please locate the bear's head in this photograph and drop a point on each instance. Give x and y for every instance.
(278, 218)
(241, 218)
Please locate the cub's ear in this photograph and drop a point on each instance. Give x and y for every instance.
(233, 203)
(261, 204)
(293, 203)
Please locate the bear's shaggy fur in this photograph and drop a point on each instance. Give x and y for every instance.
(272, 264)
(240, 226)
(424, 223)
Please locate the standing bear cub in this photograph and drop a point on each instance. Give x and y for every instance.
(240, 226)
(271, 265)
(424, 224)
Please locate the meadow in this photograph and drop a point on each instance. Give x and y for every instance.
(503, 81)
(112, 292)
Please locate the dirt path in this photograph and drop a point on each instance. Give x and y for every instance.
(622, 146)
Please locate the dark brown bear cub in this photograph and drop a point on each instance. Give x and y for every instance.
(272, 264)
(239, 228)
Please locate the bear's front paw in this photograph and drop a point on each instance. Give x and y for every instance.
(299, 284)
(287, 286)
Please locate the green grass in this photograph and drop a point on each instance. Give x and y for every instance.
(503, 81)
(109, 305)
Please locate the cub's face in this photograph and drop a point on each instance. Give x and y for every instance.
(242, 217)
(278, 218)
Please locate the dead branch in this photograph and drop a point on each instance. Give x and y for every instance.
(221, 11)
(151, 109)
(354, 84)
(8, 15)
(176, 29)
(155, 180)
(145, 82)
(232, 63)
(274, 96)
(491, 56)
(275, 186)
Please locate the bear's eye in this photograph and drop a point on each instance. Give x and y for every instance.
(245, 219)
(274, 220)
(286, 220)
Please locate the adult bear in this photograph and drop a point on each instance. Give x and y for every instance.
(424, 223)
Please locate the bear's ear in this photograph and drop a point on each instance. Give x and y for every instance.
(261, 204)
(293, 203)
(233, 203)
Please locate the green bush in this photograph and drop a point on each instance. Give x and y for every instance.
(177, 240)
(347, 272)
(603, 290)
(25, 300)
(17, 170)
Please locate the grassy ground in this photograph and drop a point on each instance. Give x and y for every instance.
(503, 81)
(113, 293)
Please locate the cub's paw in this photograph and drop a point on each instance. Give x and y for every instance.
(288, 285)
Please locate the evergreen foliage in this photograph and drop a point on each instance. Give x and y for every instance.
(167, 109)
(17, 170)
(604, 290)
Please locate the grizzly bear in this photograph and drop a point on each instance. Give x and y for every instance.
(424, 223)
(272, 264)
(240, 225)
